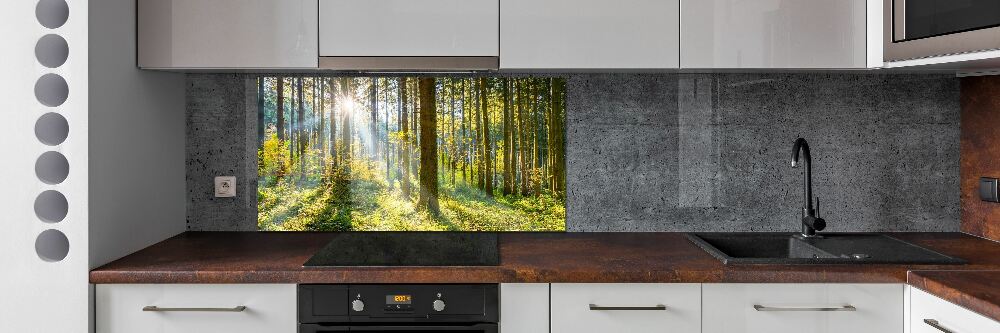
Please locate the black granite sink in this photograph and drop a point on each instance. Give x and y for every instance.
(834, 248)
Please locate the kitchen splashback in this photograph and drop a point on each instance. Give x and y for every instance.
(411, 153)
(681, 152)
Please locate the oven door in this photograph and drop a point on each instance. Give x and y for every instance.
(473, 328)
(916, 29)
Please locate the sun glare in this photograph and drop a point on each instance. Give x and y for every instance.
(347, 104)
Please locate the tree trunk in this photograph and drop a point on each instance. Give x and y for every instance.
(478, 142)
(506, 138)
(453, 150)
(281, 108)
(466, 128)
(373, 130)
(300, 127)
(333, 122)
(428, 147)
(559, 116)
(487, 161)
(260, 111)
(522, 138)
(321, 129)
(292, 141)
(346, 151)
(405, 141)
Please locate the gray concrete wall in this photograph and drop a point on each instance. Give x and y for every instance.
(221, 135)
(687, 152)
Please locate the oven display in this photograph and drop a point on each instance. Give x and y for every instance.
(398, 299)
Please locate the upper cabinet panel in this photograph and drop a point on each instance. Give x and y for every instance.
(192, 34)
(589, 34)
(409, 28)
(775, 34)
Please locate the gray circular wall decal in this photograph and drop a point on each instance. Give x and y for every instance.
(51, 90)
(52, 13)
(52, 245)
(51, 50)
(51, 129)
(51, 206)
(52, 167)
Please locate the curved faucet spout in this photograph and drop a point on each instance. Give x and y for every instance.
(807, 189)
(810, 222)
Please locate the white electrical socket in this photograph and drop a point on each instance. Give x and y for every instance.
(225, 187)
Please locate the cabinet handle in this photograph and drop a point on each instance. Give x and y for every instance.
(935, 324)
(154, 308)
(759, 307)
(595, 307)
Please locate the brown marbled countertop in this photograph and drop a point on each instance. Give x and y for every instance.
(277, 257)
(978, 291)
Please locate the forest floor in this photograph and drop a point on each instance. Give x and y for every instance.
(363, 200)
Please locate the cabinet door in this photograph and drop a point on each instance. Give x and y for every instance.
(803, 308)
(524, 307)
(927, 310)
(589, 34)
(227, 34)
(409, 28)
(773, 34)
(634, 308)
(270, 308)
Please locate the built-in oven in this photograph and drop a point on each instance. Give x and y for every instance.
(400, 308)
(916, 29)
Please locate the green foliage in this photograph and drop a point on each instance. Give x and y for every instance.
(365, 202)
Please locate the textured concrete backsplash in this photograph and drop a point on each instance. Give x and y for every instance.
(221, 141)
(684, 152)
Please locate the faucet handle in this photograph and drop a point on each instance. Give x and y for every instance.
(817, 206)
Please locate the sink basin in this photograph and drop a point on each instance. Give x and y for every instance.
(837, 248)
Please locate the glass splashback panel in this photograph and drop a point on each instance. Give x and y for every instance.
(411, 154)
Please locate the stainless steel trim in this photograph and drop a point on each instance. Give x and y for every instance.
(958, 43)
(154, 308)
(759, 307)
(898, 19)
(935, 324)
(595, 307)
(410, 63)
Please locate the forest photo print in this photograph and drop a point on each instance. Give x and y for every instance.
(411, 153)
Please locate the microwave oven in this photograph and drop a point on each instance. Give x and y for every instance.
(915, 29)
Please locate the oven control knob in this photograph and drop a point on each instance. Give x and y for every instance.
(438, 305)
(358, 305)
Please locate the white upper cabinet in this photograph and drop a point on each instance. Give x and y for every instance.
(409, 28)
(589, 34)
(780, 34)
(227, 34)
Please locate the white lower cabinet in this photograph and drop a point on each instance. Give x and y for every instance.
(195, 308)
(930, 314)
(633, 307)
(803, 308)
(524, 307)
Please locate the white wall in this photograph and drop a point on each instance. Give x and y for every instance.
(137, 122)
(137, 187)
(39, 295)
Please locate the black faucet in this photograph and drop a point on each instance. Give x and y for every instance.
(811, 222)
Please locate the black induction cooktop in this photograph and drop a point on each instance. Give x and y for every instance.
(408, 249)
